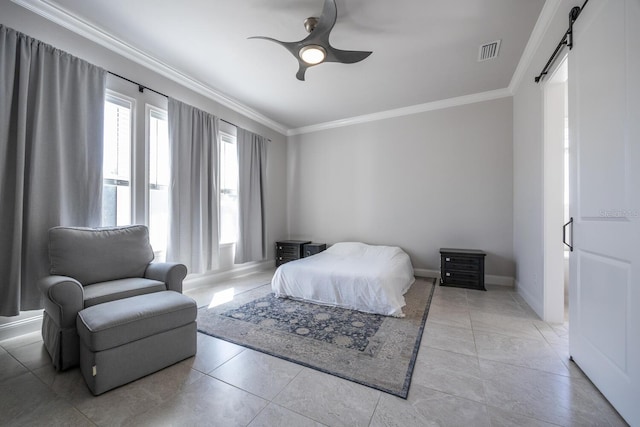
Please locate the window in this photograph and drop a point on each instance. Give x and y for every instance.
(228, 188)
(116, 186)
(158, 180)
(136, 162)
(136, 167)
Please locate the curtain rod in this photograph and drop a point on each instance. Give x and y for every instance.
(142, 87)
(573, 17)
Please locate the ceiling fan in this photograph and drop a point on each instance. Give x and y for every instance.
(315, 48)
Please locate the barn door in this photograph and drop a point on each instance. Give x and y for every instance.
(604, 120)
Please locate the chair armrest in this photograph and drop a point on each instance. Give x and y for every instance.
(171, 273)
(64, 298)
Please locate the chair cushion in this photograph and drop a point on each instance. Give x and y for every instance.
(115, 323)
(92, 255)
(99, 293)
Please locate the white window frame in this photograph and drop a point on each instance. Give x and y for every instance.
(163, 114)
(121, 90)
(127, 102)
(160, 113)
(226, 131)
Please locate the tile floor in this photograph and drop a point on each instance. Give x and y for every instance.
(485, 360)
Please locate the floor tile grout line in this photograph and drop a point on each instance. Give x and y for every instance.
(27, 369)
(291, 409)
(568, 375)
(258, 413)
(247, 391)
(240, 388)
(375, 408)
(521, 414)
(551, 422)
(234, 386)
(83, 414)
(504, 334)
(480, 358)
(49, 388)
(287, 385)
(507, 335)
(450, 394)
(226, 361)
(475, 346)
(297, 413)
(523, 338)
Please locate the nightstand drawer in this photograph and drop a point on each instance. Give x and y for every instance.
(459, 259)
(455, 276)
(288, 250)
(457, 265)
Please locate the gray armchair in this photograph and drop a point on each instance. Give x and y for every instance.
(92, 266)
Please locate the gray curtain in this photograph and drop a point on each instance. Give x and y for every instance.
(193, 195)
(252, 164)
(51, 130)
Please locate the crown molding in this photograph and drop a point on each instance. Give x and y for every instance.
(66, 19)
(549, 10)
(405, 111)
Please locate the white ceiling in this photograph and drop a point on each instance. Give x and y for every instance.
(423, 50)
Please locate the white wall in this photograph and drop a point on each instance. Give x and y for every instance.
(20, 19)
(442, 178)
(528, 167)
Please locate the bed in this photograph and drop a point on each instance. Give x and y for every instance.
(350, 275)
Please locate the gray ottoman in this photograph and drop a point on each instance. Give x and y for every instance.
(123, 340)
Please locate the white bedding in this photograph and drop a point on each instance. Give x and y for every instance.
(351, 275)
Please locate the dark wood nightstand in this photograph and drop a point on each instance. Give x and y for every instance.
(289, 250)
(463, 268)
(313, 248)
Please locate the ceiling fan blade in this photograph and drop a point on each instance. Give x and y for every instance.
(345, 56)
(301, 71)
(327, 20)
(292, 47)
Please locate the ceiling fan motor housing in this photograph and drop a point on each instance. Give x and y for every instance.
(310, 23)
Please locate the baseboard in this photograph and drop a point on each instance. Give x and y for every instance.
(489, 279)
(21, 327)
(492, 279)
(422, 272)
(206, 279)
(529, 299)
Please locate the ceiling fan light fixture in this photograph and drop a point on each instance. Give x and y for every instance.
(313, 54)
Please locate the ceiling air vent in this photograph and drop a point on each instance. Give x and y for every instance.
(489, 51)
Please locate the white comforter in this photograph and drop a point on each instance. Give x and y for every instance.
(351, 275)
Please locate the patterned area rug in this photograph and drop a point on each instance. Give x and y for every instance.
(373, 350)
